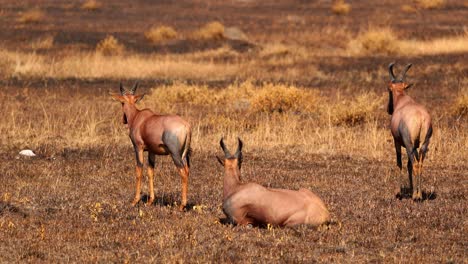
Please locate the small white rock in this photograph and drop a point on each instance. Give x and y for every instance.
(27, 152)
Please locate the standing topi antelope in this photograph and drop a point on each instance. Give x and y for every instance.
(157, 134)
(411, 128)
(251, 203)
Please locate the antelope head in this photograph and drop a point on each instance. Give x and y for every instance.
(231, 161)
(396, 85)
(128, 98)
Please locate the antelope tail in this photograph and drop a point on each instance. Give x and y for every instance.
(187, 149)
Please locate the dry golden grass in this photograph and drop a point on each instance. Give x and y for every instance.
(211, 31)
(444, 45)
(110, 46)
(34, 15)
(460, 107)
(340, 7)
(356, 110)
(408, 9)
(43, 43)
(91, 5)
(375, 41)
(160, 34)
(430, 4)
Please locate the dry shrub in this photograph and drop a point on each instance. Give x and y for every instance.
(211, 31)
(340, 7)
(408, 9)
(430, 4)
(375, 41)
(235, 33)
(91, 5)
(160, 34)
(43, 43)
(282, 99)
(110, 46)
(31, 16)
(357, 110)
(460, 107)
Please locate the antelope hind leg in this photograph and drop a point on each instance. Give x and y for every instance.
(184, 175)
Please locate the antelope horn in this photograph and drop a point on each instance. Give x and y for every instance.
(122, 90)
(135, 86)
(390, 71)
(239, 148)
(405, 71)
(226, 151)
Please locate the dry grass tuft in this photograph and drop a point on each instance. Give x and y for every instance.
(211, 31)
(430, 4)
(91, 5)
(34, 15)
(160, 34)
(355, 111)
(43, 43)
(375, 41)
(408, 9)
(340, 7)
(460, 107)
(110, 46)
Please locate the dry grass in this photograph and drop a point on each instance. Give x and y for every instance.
(43, 43)
(431, 4)
(408, 9)
(375, 41)
(357, 110)
(211, 31)
(160, 34)
(445, 45)
(340, 7)
(91, 5)
(110, 46)
(34, 15)
(460, 107)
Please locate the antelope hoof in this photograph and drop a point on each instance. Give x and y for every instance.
(135, 202)
(182, 208)
(150, 201)
(417, 196)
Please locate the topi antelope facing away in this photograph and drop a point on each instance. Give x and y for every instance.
(158, 135)
(411, 128)
(251, 203)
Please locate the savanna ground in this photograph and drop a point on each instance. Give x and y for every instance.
(303, 83)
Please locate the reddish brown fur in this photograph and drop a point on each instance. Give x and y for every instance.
(251, 203)
(159, 135)
(411, 127)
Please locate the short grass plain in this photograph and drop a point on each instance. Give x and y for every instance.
(305, 88)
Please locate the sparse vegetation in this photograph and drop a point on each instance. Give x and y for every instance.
(160, 34)
(43, 43)
(91, 5)
(460, 108)
(211, 31)
(430, 4)
(34, 15)
(110, 46)
(340, 7)
(375, 41)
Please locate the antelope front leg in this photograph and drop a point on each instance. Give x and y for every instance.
(138, 172)
(184, 174)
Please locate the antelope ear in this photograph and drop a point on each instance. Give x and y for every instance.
(139, 97)
(407, 86)
(118, 97)
(221, 161)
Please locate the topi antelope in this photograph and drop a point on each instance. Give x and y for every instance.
(411, 128)
(157, 134)
(251, 203)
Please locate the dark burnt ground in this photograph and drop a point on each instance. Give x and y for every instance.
(74, 27)
(75, 207)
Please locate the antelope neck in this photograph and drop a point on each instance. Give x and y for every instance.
(130, 112)
(231, 181)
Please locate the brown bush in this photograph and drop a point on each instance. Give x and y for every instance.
(160, 34)
(375, 41)
(430, 4)
(34, 15)
(357, 110)
(340, 7)
(110, 46)
(460, 107)
(211, 31)
(43, 43)
(91, 5)
(408, 9)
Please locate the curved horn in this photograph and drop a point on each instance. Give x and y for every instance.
(239, 148)
(226, 151)
(135, 86)
(405, 71)
(122, 89)
(390, 71)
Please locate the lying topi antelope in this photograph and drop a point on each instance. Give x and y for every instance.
(411, 128)
(157, 134)
(251, 203)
